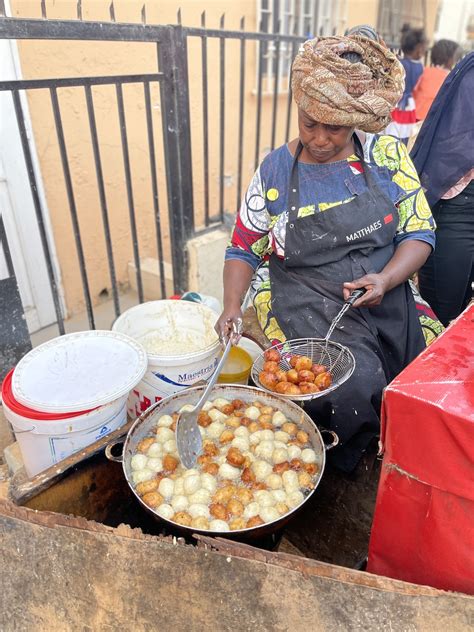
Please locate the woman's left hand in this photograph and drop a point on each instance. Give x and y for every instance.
(375, 285)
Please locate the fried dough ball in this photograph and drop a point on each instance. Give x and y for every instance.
(223, 494)
(192, 484)
(179, 503)
(283, 387)
(278, 418)
(218, 525)
(292, 376)
(274, 481)
(204, 458)
(203, 419)
(296, 464)
(305, 480)
(267, 410)
(308, 455)
(170, 463)
(239, 413)
(146, 487)
(271, 367)
(294, 498)
(271, 355)
(145, 444)
(219, 511)
(256, 521)
(281, 376)
(294, 452)
(197, 510)
(200, 522)
(165, 511)
(267, 380)
(318, 368)
(282, 508)
(183, 518)
(237, 524)
(208, 482)
(264, 418)
(228, 409)
(261, 469)
(306, 376)
(226, 436)
(200, 497)
(244, 422)
(237, 403)
(251, 510)
(233, 421)
(235, 507)
(307, 388)
(244, 495)
(211, 468)
(259, 486)
(279, 468)
(302, 363)
(279, 455)
(229, 471)
(156, 449)
(242, 432)
(293, 360)
(302, 437)
(290, 481)
(253, 426)
(311, 468)
(235, 457)
(269, 514)
(210, 448)
(247, 475)
(323, 380)
(138, 462)
(139, 476)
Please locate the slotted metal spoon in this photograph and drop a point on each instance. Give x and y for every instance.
(188, 437)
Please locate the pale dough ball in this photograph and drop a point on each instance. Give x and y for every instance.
(218, 525)
(169, 447)
(191, 472)
(207, 406)
(279, 444)
(200, 497)
(279, 495)
(251, 510)
(140, 476)
(264, 498)
(290, 481)
(178, 486)
(308, 455)
(294, 499)
(164, 434)
(254, 438)
(220, 402)
(294, 452)
(155, 450)
(166, 487)
(208, 482)
(269, 514)
(215, 429)
(241, 431)
(252, 412)
(284, 437)
(282, 508)
(179, 503)
(264, 450)
(241, 443)
(200, 523)
(274, 481)
(217, 415)
(222, 458)
(267, 435)
(155, 464)
(280, 455)
(261, 469)
(165, 421)
(197, 510)
(165, 511)
(229, 471)
(138, 462)
(186, 408)
(192, 484)
(278, 418)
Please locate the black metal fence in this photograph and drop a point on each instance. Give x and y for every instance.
(183, 181)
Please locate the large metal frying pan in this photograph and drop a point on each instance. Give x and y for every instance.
(144, 424)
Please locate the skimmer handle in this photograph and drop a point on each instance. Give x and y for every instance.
(215, 375)
(355, 294)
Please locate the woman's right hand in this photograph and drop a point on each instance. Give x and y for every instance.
(230, 323)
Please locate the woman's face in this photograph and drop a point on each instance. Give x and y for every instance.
(324, 143)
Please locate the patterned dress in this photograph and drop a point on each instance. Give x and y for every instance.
(260, 227)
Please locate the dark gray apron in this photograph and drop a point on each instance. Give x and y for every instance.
(322, 251)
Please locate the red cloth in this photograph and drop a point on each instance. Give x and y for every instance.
(423, 529)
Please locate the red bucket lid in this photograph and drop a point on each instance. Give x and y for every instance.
(10, 401)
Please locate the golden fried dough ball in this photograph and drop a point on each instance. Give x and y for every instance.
(247, 475)
(258, 486)
(233, 421)
(281, 376)
(279, 468)
(256, 521)
(266, 425)
(292, 376)
(264, 418)
(293, 389)
(311, 468)
(235, 507)
(271, 355)
(211, 468)
(323, 380)
(302, 436)
(306, 376)
(267, 379)
(183, 518)
(282, 387)
(200, 522)
(303, 362)
(244, 495)
(170, 463)
(245, 421)
(281, 508)
(203, 459)
(293, 361)
(318, 368)
(305, 480)
(145, 444)
(296, 464)
(228, 409)
(226, 436)
(146, 487)
(253, 426)
(237, 524)
(271, 367)
(308, 387)
(223, 495)
(203, 419)
(239, 413)
(235, 457)
(290, 428)
(218, 511)
(237, 403)
(210, 448)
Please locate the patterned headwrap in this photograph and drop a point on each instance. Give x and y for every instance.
(335, 91)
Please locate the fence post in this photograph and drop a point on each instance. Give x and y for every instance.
(173, 63)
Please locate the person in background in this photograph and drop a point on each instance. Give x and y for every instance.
(444, 55)
(413, 45)
(444, 158)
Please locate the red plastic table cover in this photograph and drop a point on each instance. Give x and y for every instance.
(423, 529)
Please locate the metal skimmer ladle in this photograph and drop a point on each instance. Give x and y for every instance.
(355, 294)
(188, 437)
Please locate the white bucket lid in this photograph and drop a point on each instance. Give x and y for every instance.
(79, 371)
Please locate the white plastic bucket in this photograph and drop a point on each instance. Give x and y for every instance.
(168, 372)
(44, 443)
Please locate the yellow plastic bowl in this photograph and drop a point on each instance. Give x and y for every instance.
(237, 367)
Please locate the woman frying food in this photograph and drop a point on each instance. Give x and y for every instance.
(333, 211)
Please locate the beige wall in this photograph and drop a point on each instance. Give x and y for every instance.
(41, 59)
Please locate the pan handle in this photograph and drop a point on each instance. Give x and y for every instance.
(108, 452)
(335, 439)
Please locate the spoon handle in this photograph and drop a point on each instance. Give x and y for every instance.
(215, 375)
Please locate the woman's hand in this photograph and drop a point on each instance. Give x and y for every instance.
(230, 323)
(376, 286)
